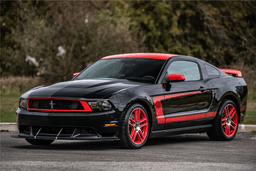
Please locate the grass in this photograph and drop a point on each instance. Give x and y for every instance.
(9, 104)
(250, 117)
(12, 90)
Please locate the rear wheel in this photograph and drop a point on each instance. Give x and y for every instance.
(225, 125)
(39, 142)
(135, 127)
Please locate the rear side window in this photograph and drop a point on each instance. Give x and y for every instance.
(211, 71)
(187, 68)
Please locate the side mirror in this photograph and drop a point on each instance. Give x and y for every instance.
(75, 74)
(175, 78)
(172, 78)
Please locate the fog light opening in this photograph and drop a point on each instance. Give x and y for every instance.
(73, 105)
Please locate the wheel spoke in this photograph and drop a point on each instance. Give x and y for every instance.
(142, 120)
(142, 125)
(233, 113)
(134, 136)
(141, 135)
(233, 123)
(131, 125)
(227, 130)
(233, 127)
(138, 134)
(132, 132)
(223, 119)
(224, 123)
(227, 111)
(132, 121)
(136, 114)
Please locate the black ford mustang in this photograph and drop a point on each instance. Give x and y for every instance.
(132, 97)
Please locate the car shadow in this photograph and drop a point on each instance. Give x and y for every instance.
(73, 145)
(107, 145)
(184, 138)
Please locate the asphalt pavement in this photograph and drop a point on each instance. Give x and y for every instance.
(183, 152)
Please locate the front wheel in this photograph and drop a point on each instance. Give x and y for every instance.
(135, 127)
(39, 142)
(225, 125)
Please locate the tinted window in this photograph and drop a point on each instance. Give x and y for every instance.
(137, 69)
(211, 71)
(189, 69)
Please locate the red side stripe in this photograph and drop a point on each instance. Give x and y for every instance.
(191, 117)
(185, 118)
(210, 114)
(159, 109)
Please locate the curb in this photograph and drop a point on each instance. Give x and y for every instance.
(10, 127)
(246, 128)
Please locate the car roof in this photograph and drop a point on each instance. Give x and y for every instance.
(159, 56)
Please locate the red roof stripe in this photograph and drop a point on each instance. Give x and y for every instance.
(160, 56)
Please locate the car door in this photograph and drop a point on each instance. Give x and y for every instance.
(187, 102)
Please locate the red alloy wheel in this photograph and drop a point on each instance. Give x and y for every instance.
(138, 126)
(229, 120)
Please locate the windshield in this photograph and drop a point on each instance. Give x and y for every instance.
(136, 69)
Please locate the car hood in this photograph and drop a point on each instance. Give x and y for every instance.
(83, 89)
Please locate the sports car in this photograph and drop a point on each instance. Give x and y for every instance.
(134, 97)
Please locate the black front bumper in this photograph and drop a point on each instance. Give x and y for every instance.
(67, 126)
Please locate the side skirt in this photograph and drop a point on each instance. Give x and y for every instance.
(192, 129)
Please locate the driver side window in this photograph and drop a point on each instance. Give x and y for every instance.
(187, 68)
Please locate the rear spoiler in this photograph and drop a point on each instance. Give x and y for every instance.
(234, 72)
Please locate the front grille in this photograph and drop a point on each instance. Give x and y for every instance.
(53, 104)
(58, 105)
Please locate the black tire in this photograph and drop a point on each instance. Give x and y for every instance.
(133, 133)
(225, 125)
(211, 135)
(39, 142)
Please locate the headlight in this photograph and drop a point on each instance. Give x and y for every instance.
(105, 105)
(23, 103)
(100, 105)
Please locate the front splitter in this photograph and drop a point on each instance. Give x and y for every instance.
(87, 137)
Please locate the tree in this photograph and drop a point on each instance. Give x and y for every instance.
(208, 30)
(87, 31)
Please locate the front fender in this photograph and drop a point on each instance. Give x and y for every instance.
(123, 100)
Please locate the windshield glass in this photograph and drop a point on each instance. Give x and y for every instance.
(136, 69)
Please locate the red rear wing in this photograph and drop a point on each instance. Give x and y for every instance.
(232, 71)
